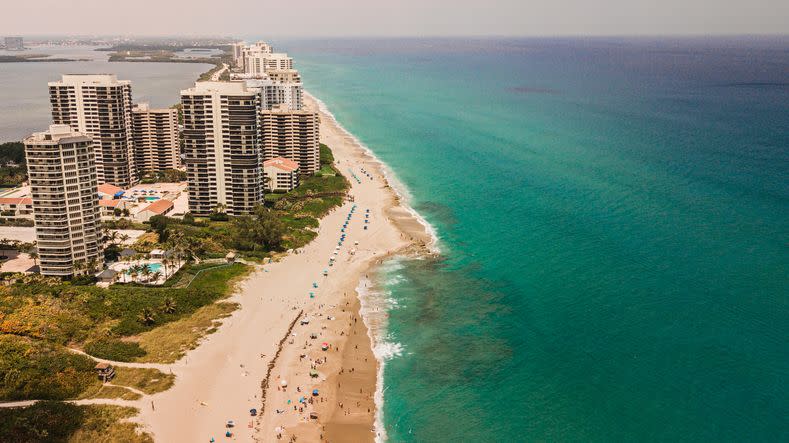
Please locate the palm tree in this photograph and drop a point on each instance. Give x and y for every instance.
(169, 305)
(124, 238)
(34, 256)
(91, 265)
(147, 316)
(155, 276)
(165, 262)
(146, 272)
(78, 266)
(133, 272)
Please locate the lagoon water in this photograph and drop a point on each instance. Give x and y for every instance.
(613, 217)
(24, 95)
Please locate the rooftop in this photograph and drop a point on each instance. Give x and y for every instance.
(108, 189)
(16, 201)
(282, 163)
(159, 206)
(92, 79)
(209, 87)
(55, 134)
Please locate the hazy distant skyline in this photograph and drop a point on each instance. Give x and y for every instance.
(312, 18)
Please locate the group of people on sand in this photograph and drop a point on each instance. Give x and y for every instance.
(307, 398)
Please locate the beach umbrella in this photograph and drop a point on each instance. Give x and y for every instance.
(279, 430)
(313, 373)
(314, 392)
(283, 382)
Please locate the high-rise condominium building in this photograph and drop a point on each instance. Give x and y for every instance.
(99, 105)
(221, 147)
(259, 63)
(155, 133)
(284, 75)
(245, 51)
(273, 94)
(62, 174)
(292, 134)
(238, 53)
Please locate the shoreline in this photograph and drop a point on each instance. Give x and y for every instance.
(350, 386)
(223, 378)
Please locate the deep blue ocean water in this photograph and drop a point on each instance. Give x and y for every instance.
(613, 217)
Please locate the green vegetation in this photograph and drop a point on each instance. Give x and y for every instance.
(168, 343)
(65, 422)
(17, 222)
(286, 221)
(39, 316)
(13, 168)
(114, 349)
(33, 369)
(146, 380)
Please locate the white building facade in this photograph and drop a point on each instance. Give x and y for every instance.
(222, 147)
(99, 106)
(63, 183)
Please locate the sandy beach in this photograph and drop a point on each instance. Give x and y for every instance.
(267, 341)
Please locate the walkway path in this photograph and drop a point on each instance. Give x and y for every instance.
(160, 366)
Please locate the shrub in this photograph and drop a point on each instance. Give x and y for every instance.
(37, 370)
(113, 349)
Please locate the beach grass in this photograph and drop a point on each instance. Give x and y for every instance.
(168, 343)
(147, 380)
(111, 392)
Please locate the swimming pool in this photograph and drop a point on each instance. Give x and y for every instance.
(153, 267)
(150, 199)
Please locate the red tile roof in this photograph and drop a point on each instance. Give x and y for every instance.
(108, 202)
(16, 201)
(159, 206)
(282, 163)
(106, 188)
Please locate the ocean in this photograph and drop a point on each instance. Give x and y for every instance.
(24, 94)
(613, 221)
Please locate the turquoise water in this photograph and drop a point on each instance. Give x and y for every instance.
(153, 267)
(613, 218)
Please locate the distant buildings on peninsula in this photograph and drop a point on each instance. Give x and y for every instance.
(237, 140)
(14, 44)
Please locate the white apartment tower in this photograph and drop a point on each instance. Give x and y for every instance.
(99, 106)
(156, 141)
(292, 134)
(62, 174)
(221, 147)
(258, 63)
(238, 54)
(273, 94)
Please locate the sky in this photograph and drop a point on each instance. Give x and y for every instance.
(330, 18)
